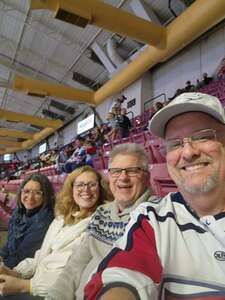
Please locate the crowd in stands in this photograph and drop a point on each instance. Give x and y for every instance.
(155, 238)
(189, 87)
(56, 242)
(84, 148)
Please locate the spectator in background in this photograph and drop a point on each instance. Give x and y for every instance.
(90, 147)
(90, 150)
(78, 158)
(206, 79)
(105, 129)
(114, 127)
(189, 87)
(177, 93)
(117, 104)
(81, 194)
(198, 84)
(30, 219)
(95, 137)
(157, 106)
(124, 123)
(221, 72)
(61, 159)
(173, 247)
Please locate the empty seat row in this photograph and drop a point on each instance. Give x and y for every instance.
(48, 171)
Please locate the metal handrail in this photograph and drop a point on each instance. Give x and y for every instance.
(152, 99)
(132, 114)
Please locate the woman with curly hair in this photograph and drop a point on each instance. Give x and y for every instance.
(82, 192)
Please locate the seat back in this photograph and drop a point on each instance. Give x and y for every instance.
(158, 149)
(160, 180)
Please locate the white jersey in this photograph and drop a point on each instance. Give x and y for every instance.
(167, 252)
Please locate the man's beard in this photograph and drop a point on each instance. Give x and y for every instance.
(207, 186)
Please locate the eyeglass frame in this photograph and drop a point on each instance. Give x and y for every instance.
(35, 193)
(190, 140)
(90, 185)
(120, 170)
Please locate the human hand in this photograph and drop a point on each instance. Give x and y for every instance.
(3, 268)
(10, 285)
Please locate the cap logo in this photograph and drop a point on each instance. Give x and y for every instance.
(194, 97)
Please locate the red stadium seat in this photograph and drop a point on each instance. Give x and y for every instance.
(158, 149)
(139, 138)
(160, 180)
(127, 140)
(106, 147)
(116, 142)
(29, 172)
(106, 159)
(49, 170)
(12, 185)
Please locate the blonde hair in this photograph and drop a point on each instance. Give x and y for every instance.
(65, 204)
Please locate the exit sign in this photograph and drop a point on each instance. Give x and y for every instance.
(131, 103)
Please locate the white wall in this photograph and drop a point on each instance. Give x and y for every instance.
(203, 56)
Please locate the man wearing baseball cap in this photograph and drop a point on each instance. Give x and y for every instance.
(174, 247)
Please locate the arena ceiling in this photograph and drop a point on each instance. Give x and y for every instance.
(44, 42)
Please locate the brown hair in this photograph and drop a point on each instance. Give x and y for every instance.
(46, 187)
(65, 204)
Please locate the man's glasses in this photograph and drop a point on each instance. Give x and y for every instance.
(131, 172)
(81, 185)
(198, 137)
(36, 194)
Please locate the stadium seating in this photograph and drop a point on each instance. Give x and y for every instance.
(49, 170)
(158, 149)
(12, 185)
(160, 180)
(57, 181)
(139, 138)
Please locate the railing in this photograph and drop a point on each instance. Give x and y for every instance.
(130, 112)
(152, 99)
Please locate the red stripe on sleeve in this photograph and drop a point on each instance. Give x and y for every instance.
(140, 255)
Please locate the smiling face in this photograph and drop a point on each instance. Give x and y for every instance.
(126, 190)
(197, 168)
(31, 195)
(86, 190)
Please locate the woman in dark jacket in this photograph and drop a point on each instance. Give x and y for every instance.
(30, 219)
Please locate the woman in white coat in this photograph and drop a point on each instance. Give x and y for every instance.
(82, 192)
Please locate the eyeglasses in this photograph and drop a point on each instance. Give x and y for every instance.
(81, 185)
(131, 172)
(201, 136)
(36, 194)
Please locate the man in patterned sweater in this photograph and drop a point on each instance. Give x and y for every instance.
(174, 247)
(129, 183)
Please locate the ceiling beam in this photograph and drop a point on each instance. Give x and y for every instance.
(9, 143)
(103, 15)
(43, 88)
(19, 117)
(15, 133)
(32, 139)
(192, 23)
